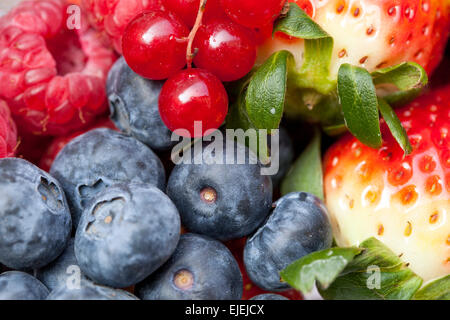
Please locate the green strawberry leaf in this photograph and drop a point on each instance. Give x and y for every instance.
(306, 173)
(400, 98)
(405, 76)
(359, 104)
(371, 271)
(400, 84)
(298, 24)
(260, 97)
(395, 126)
(315, 70)
(266, 92)
(436, 290)
(238, 119)
(322, 266)
(259, 100)
(376, 274)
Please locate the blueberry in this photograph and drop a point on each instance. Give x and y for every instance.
(269, 296)
(133, 102)
(61, 271)
(89, 291)
(285, 155)
(100, 158)
(223, 201)
(16, 285)
(298, 226)
(126, 233)
(200, 269)
(35, 220)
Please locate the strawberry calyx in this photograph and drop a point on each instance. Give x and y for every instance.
(348, 100)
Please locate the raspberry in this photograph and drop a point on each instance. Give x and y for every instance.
(53, 78)
(60, 142)
(8, 132)
(112, 16)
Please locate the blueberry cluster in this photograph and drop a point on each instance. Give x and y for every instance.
(106, 217)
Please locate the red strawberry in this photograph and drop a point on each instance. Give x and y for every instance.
(375, 33)
(8, 132)
(53, 78)
(404, 201)
(59, 143)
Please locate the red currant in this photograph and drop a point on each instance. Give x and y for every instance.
(226, 49)
(262, 34)
(187, 9)
(193, 95)
(253, 13)
(154, 44)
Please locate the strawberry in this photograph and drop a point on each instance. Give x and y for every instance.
(374, 33)
(404, 201)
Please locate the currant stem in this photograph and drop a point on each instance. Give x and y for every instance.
(286, 8)
(198, 22)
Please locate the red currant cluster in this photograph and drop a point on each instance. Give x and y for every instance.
(158, 44)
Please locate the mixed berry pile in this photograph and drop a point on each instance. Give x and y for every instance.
(94, 92)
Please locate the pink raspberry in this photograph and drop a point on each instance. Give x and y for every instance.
(53, 78)
(8, 132)
(112, 16)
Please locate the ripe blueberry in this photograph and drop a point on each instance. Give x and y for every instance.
(35, 219)
(298, 226)
(16, 285)
(100, 158)
(133, 102)
(223, 201)
(89, 291)
(200, 269)
(269, 296)
(126, 233)
(62, 270)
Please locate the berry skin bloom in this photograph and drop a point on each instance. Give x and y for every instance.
(253, 13)
(8, 132)
(226, 49)
(53, 78)
(193, 95)
(154, 45)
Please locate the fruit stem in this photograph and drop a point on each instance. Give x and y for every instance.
(286, 8)
(198, 22)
